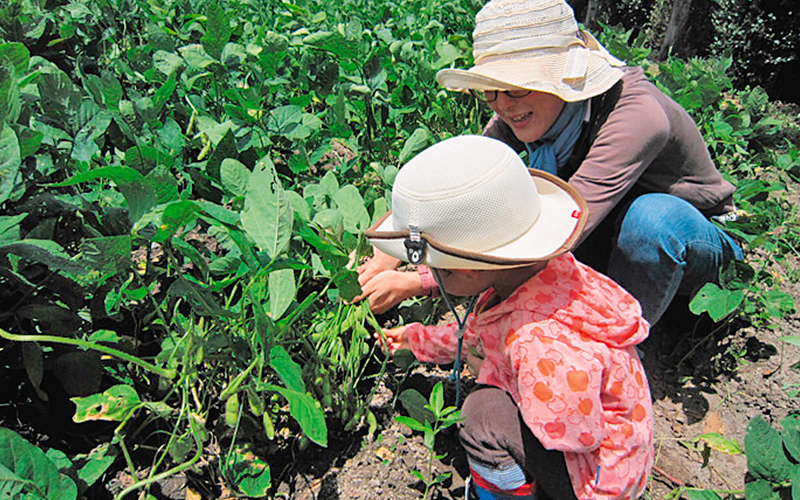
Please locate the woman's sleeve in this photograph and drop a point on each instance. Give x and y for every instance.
(559, 393)
(632, 137)
(433, 344)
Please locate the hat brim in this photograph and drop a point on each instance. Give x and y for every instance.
(539, 71)
(556, 231)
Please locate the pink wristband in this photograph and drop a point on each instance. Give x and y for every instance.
(428, 281)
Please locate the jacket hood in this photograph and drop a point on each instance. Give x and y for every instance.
(578, 297)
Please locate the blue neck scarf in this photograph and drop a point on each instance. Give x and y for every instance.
(553, 149)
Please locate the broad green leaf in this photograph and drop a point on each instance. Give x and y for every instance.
(351, 206)
(85, 146)
(194, 256)
(233, 54)
(379, 207)
(282, 290)
(248, 472)
(172, 136)
(410, 423)
(334, 42)
(202, 300)
(24, 469)
(108, 254)
(196, 57)
(61, 98)
(226, 147)
(163, 184)
(91, 467)
(115, 404)
(29, 141)
(290, 373)
(717, 302)
(218, 29)
(329, 218)
(284, 119)
(32, 359)
(414, 403)
(137, 192)
(105, 89)
(175, 216)
(760, 490)
(448, 54)
(347, 283)
(419, 140)
(267, 215)
(764, 451)
(299, 205)
(112, 90)
(163, 93)
(777, 302)
(436, 399)
(737, 275)
(791, 435)
(214, 131)
(18, 54)
(45, 252)
(329, 184)
(219, 213)
(109, 336)
(10, 162)
(308, 413)
(9, 228)
(235, 176)
(9, 93)
(167, 62)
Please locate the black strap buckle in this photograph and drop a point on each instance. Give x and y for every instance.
(415, 246)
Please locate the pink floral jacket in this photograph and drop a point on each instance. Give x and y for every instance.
(563, 346)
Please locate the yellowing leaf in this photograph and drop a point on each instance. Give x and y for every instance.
(115, 404)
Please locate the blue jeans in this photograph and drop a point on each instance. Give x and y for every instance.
(665, 246)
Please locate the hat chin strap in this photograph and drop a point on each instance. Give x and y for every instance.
(462, 324)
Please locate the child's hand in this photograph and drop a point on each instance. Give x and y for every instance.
(395, 339)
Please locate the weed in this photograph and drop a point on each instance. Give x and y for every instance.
(431, 422)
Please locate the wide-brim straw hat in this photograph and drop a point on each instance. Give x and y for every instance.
(469, 202)
(534, 45)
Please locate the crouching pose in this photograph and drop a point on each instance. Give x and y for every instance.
(562, 408)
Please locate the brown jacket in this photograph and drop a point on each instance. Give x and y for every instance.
(637, 141)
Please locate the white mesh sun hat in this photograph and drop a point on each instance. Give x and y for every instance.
(535, 45)
(469, 202)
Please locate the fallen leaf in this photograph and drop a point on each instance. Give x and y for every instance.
(713, 424)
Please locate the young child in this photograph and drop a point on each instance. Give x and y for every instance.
(562, 409)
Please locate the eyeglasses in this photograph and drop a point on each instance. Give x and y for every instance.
(491, 95)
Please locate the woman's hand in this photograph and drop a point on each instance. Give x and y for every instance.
(383, 285)
(393, 339)
(388, 288)
(376, 264)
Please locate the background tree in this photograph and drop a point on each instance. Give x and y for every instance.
(759, 35)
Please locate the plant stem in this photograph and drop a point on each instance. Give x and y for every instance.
(163, 372)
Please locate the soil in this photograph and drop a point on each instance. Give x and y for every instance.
(704, 377)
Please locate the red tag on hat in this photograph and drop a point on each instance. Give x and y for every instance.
(576, 214)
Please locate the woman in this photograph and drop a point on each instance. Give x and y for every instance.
(633, 153)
